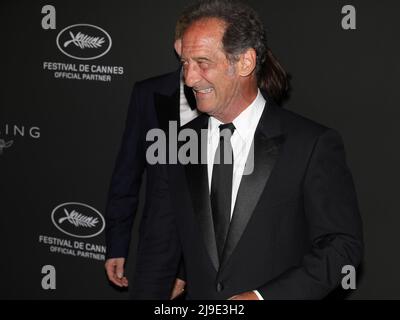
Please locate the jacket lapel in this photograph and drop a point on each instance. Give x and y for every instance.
(167, 102)
(197, 179)
(267, 143)
(167, 108)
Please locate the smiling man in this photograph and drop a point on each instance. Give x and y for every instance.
(286, 230)
(223, 88)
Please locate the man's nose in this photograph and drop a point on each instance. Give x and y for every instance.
(191, 74)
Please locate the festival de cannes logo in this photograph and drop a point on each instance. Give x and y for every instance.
(78, 220)
(84, 41)
(4, 145)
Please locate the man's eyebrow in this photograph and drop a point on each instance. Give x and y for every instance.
(197, 59)
(201, 59)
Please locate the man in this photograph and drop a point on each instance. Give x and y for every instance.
(285, 228)
(154, 102)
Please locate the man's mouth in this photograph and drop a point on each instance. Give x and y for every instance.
(200, 92)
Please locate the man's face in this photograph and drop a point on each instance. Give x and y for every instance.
(207, 70)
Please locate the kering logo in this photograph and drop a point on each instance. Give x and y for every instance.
(84, 41)
(20, 131)
(78, 220)
(16, 131)
(4, 144)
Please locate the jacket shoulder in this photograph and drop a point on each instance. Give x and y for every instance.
(166, 83)
(294, 123)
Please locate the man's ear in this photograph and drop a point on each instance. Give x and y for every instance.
(178, 46)
(247, 62)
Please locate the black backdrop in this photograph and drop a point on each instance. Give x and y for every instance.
(59, 137)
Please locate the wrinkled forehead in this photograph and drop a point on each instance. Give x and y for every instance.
(203, 35)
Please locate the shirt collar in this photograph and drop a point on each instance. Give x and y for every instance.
(246, 121)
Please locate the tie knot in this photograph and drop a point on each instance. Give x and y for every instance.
(227, 126)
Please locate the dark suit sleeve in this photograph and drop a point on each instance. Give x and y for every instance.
(125, 182)
(181, 271)
(334, 224)
(159, 251)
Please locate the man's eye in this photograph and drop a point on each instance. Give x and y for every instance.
(204, 64)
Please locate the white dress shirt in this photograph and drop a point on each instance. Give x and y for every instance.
(245, 126)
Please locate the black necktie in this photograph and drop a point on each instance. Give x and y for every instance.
(221, 185)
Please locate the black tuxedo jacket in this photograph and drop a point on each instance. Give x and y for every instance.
(295, 223)
(154, 102)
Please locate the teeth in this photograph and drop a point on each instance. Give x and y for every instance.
(205, 90)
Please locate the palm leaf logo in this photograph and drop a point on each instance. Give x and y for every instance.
(83, 41)
(78, 219)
